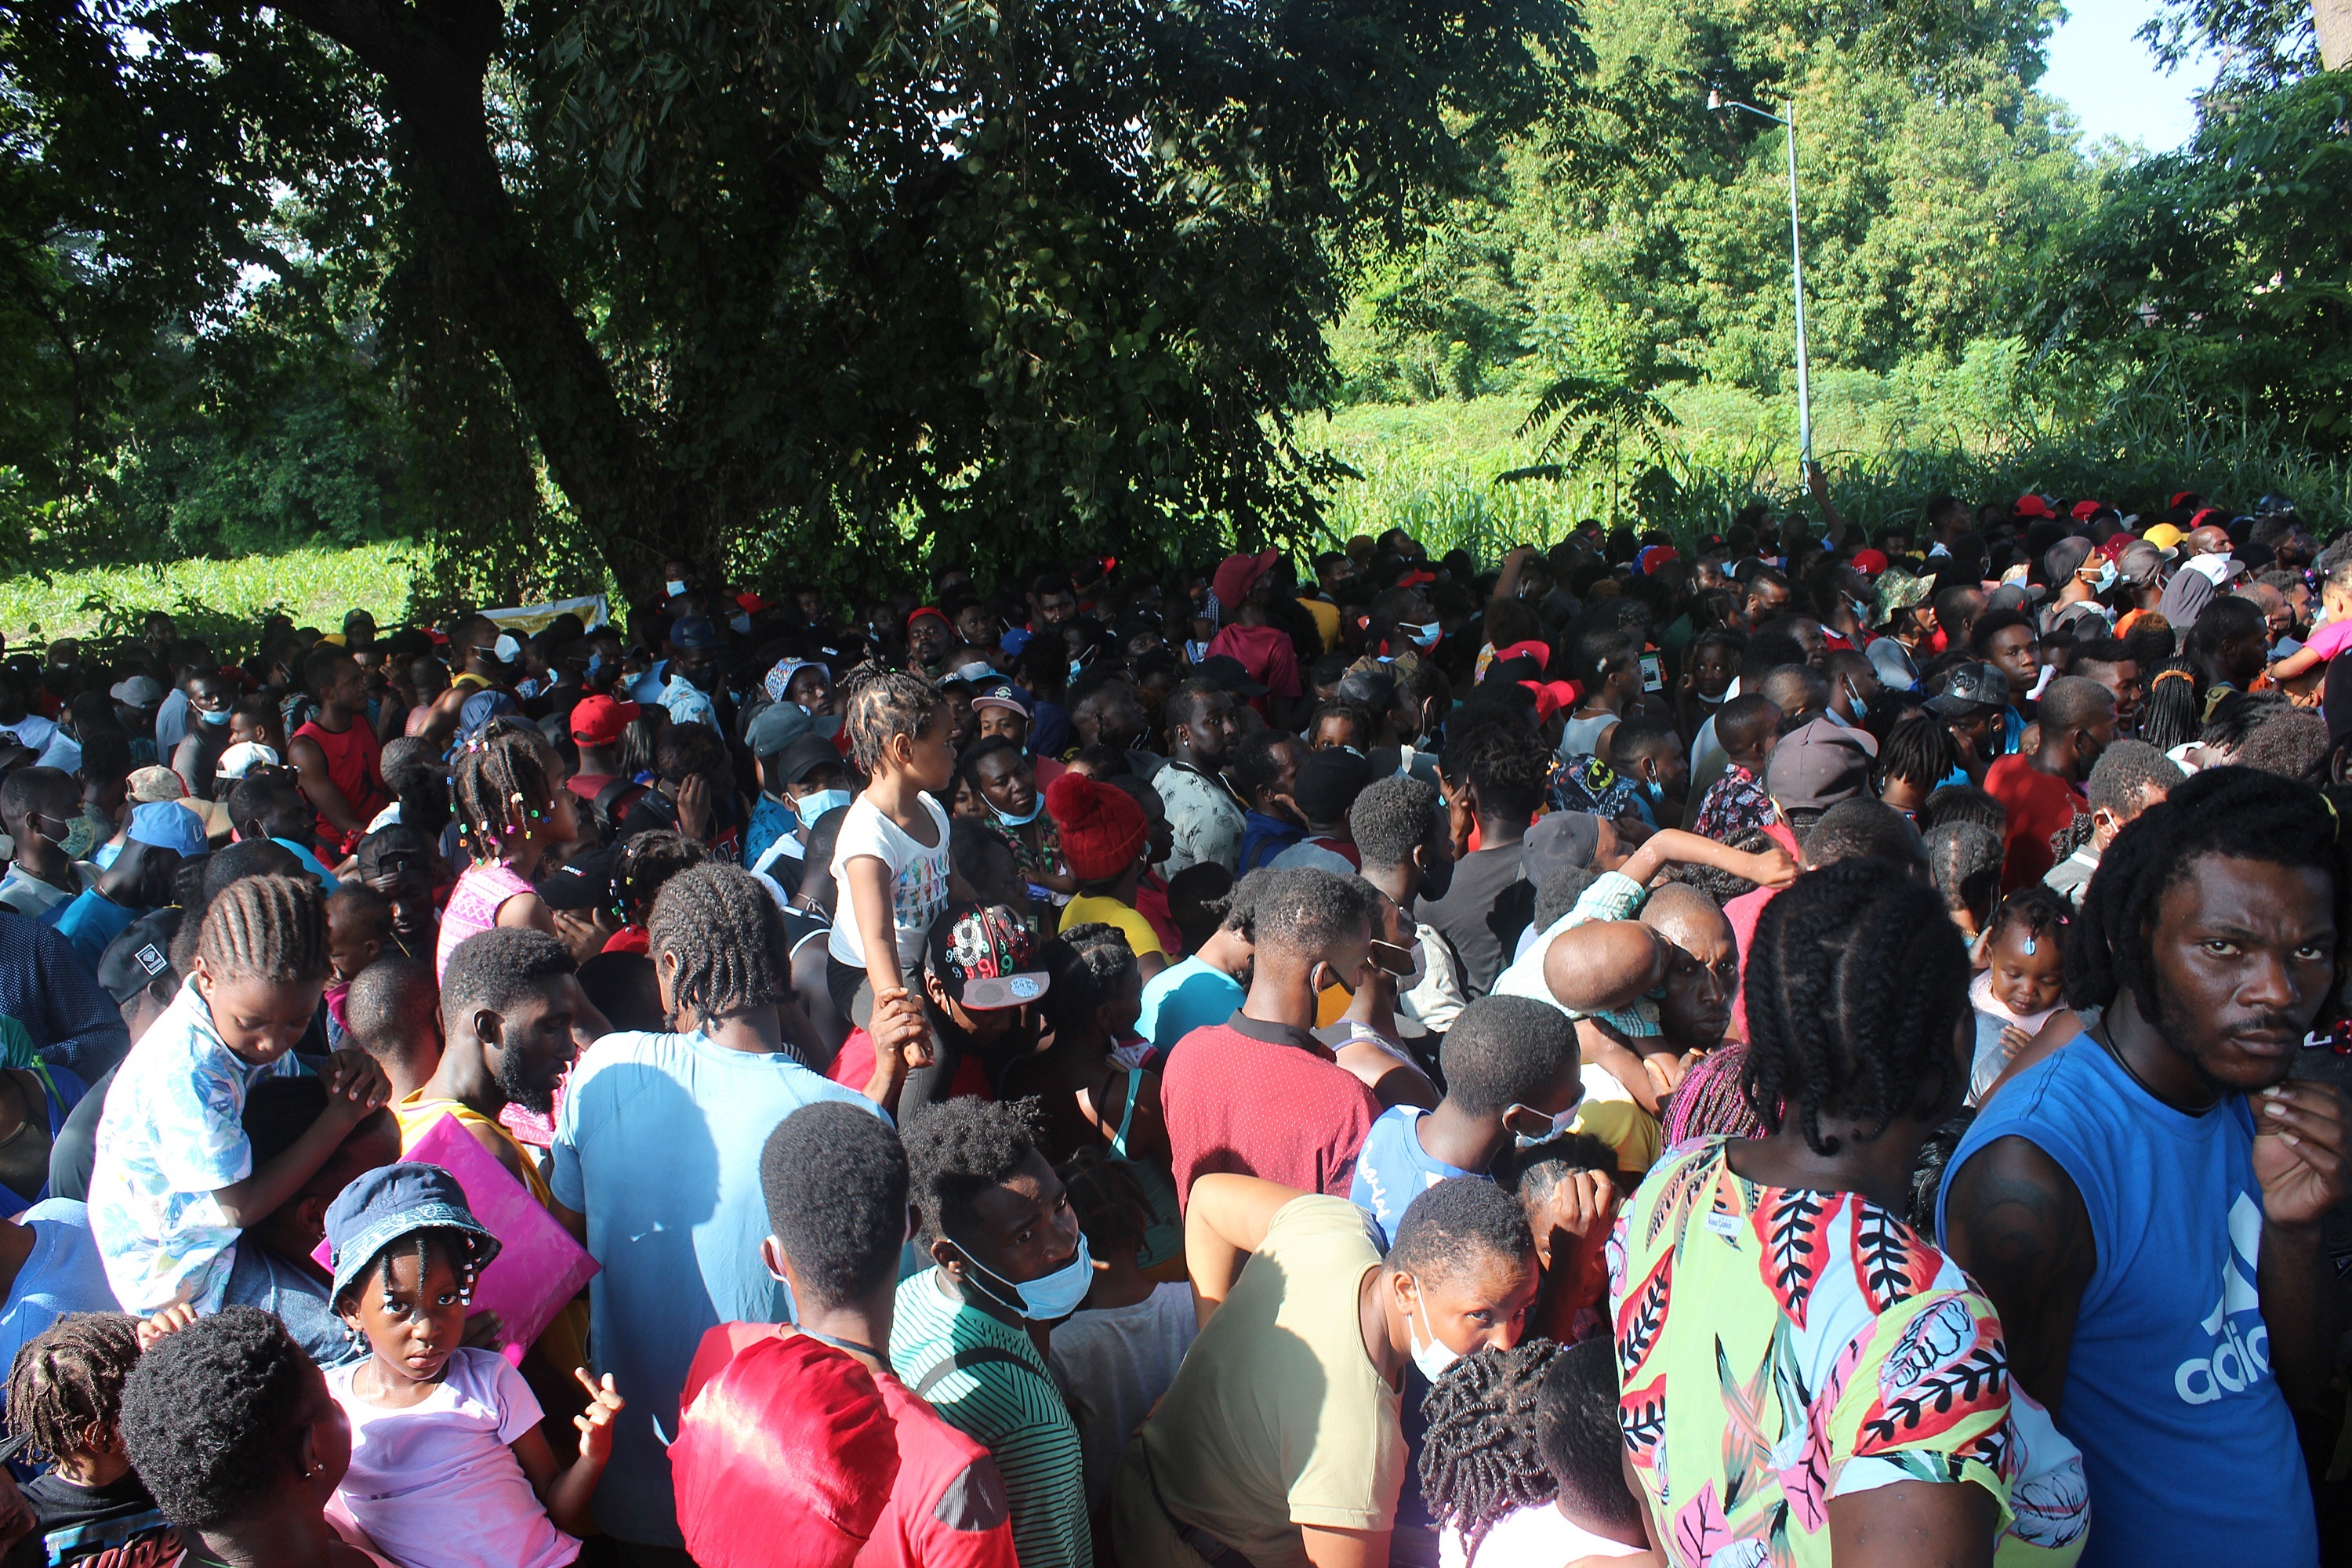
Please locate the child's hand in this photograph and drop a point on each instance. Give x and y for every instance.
(355, 1084)
(2013, 1040)
(171, 1319)
(482, 1330)
(596, 1423)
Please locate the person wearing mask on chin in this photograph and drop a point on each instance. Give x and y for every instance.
(1401, 620)
(41, 809)
(969, 1335)
(1281, 1444)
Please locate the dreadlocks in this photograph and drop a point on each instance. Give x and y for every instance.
(1479, 1461)
(727, 937)
(273, 927)
(1919, 749)
(2235, 813)
(66, 1390)
(1855, 983)
(501, 786)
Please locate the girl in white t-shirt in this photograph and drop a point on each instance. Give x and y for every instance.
(890, 861)
(448, 1467)
(1520, 1467)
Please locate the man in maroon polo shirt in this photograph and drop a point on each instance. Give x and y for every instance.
(1259, 1095)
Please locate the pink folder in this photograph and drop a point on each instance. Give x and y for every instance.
(538, 1268)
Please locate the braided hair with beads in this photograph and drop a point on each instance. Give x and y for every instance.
(1479, 1461)
(271, 928)
(727, 937)
(2236, 813)
(1856, 984)
(65, 1391)
(501, 787)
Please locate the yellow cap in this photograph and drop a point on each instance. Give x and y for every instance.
(2164, 536)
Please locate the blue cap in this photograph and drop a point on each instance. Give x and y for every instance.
(388, 1203)
(168, 825)
(1015, 640)
(694, 631)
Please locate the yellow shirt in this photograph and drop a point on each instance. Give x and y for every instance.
(1326, 621)
(1083, 908)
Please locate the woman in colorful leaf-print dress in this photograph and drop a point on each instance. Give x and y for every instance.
(1805, 1379)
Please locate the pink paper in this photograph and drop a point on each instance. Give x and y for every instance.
(538, 1268)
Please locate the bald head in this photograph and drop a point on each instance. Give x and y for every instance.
(1607, 965)
(2208, 541)
(1684, 916)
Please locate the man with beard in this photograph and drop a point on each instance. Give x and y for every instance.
(2144, 1206)
(1207, 816)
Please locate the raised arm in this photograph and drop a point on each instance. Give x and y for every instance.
(1225, 1220)
(1771, 868)
(2015, 1221)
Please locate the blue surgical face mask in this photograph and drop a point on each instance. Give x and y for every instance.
(742, 625)
(1049, 1298)
(595, 665)
(1560, 1124)
(1077, 666)
(1011, 821)
(213, 716)
(1425, 636)
(675, 586)
(810, 807)
(1658, 790)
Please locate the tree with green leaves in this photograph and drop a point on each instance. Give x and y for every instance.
(838, 279)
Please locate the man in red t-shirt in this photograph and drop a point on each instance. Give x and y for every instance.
(837, 1185)
(2044, 793)
(336, 754)
(1259, 1095)
(1245, 587)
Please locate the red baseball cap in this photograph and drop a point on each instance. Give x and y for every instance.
(919, 612)
(2084, 511)
(1236, 574)
(1870, 563)
(2031, 505)
(598, 720)
(750, 603)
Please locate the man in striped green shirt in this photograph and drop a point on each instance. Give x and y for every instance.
(971, 1331)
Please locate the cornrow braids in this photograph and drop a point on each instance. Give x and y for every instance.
(883, 705)
(272, 928)
(1855, 984)
(1479, 1461)
(66, 1390)
(645, 866)
(1710, 1099)
(501, 786)
(2236, 813)
(728, 937)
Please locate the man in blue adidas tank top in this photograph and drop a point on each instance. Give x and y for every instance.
(2143, 1205)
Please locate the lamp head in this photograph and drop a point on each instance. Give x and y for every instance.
(1713, 98)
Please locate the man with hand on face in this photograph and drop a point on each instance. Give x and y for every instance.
(2143, 1206)
(1206, 815)
(1282, 1441)
(969, 1333)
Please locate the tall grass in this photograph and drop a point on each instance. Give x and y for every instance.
(221, 600)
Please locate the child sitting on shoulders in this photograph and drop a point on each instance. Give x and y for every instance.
(2024, 982)
(448, 1468)
(174, 1181)
(65, 1394)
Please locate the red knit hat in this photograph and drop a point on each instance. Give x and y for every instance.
(782, 1440)
(1103, 829)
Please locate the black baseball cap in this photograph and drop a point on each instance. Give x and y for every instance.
(583, 883)
(1230, 673)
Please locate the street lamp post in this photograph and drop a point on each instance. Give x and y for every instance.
(1716, 101)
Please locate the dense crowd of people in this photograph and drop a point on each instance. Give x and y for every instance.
(1774, 1048)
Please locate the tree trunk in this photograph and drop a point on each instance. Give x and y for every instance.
(433, 57)
(2332, 20)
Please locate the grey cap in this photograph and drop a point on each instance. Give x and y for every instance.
(1818, 764)
(1970, 688)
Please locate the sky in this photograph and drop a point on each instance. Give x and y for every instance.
(2114, 84)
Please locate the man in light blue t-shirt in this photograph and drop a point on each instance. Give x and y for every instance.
(51, 1267)
(1204, 989)
(657, 1168)
(1511, 1070)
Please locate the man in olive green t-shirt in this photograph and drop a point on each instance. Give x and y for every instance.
(1279, 1439)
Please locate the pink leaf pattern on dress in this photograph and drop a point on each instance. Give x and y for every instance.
(1793, 1225)
(1891, 1263)
(1700, 1529)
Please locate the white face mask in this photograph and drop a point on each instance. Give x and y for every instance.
(1435, 1358)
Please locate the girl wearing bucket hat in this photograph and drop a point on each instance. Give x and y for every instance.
(448, 1467)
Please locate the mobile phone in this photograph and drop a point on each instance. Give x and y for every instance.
(1389, 956)
(1653, 674)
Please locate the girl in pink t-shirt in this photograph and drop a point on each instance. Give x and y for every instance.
(448, 1467)
(507, 793)
(2331, 637)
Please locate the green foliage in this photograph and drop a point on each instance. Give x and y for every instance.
(222, 601)
(2223, 272)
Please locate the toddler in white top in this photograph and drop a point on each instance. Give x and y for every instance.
(448, 1467)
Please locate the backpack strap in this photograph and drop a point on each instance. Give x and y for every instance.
(978, 1355)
